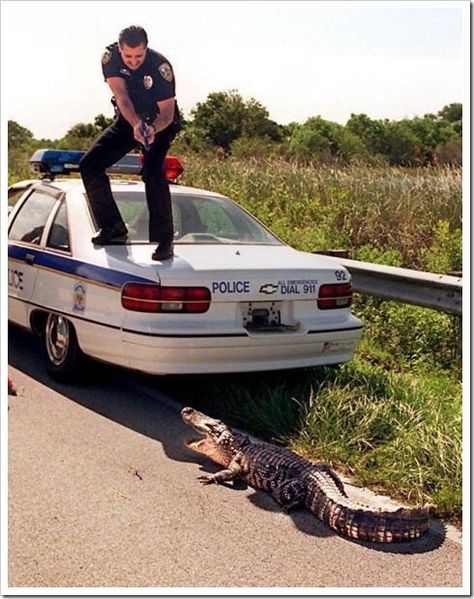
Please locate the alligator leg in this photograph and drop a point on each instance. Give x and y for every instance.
(290, 494)
(330, 472)
(232, 472)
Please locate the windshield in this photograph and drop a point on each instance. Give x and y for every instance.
(196, 219)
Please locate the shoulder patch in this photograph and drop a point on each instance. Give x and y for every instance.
(106, 57)
(166, 71)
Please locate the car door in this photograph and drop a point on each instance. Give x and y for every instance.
(25, 240)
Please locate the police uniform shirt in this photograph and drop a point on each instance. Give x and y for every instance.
(152, 82)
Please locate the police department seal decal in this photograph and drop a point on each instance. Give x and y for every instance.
(106, 57)
(79, 298)
(147, 81)
(166, 71)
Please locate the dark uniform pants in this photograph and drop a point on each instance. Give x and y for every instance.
(116, 141)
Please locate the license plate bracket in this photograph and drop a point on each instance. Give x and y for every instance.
(264, 317)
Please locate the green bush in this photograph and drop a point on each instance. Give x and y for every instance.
(445, 252)
(411, 334)
(254, 147)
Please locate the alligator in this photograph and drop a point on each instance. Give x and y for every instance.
(296, 482)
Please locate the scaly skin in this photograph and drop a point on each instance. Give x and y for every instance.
(294, 481)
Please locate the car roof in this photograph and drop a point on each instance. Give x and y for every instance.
(76, 184)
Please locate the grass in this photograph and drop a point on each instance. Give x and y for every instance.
(395, 431)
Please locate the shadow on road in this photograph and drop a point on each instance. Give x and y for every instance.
(106, 390)
(306, 522)
(115, 394)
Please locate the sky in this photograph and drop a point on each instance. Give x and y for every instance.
(390, 60)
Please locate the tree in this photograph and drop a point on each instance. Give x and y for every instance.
(451, 112)
(219, 119)
(225, 116)
(257, 124)
(82, 130)
(403, 144)
(18, 136)
(82, 135)
(372, 133)
(79, 137)
(101, 122)
(287, 130)
(312, 140)
(318, 139)
(450, 152)
(349, 145)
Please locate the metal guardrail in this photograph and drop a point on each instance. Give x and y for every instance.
(426, 289)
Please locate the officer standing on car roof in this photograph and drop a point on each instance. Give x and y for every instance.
(143, 85)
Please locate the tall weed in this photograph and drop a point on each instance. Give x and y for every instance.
(318, 207)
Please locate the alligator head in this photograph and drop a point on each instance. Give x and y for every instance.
(218, 442)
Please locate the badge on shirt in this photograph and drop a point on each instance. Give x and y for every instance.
(147, 81)
(165, 71)
(106, 57)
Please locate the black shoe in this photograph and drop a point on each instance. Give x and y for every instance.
(163, 252)
(117, 233)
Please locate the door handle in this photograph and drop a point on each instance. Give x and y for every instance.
(29, 258)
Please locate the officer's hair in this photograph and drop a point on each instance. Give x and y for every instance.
(133, 36)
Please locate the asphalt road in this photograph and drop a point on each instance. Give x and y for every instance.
(102, 493)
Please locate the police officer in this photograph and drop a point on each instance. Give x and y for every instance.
(143, 85)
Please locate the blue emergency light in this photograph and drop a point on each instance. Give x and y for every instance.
(56, 162)
(64, 162)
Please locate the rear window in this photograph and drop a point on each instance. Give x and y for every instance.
(197, 219)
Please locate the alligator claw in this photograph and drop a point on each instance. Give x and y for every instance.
(206, 479)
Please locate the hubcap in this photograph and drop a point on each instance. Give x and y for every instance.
(57, 338)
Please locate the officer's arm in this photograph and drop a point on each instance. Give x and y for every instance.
(165, 115)
(125, 105)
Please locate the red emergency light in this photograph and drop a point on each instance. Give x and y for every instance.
(172, 168)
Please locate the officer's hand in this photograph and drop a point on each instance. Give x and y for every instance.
(137, 133)
(150, 134)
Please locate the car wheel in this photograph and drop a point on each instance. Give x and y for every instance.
(61, 350)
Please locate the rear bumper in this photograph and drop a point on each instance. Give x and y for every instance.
(156, 354)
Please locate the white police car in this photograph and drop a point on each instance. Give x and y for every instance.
(233, 298)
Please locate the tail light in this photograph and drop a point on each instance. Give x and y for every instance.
(337, 295)
(143, 297)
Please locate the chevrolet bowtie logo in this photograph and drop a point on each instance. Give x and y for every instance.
(268, 288)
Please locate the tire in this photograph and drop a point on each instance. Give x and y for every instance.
(61, 351)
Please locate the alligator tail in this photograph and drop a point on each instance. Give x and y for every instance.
(380, 526)
(357, 521)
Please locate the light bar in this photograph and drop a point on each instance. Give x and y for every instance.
(64, 162)
(56, 162)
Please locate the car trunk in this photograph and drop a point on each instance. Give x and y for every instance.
(257, 287)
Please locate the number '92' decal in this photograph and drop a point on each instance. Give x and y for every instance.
(341, 275)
